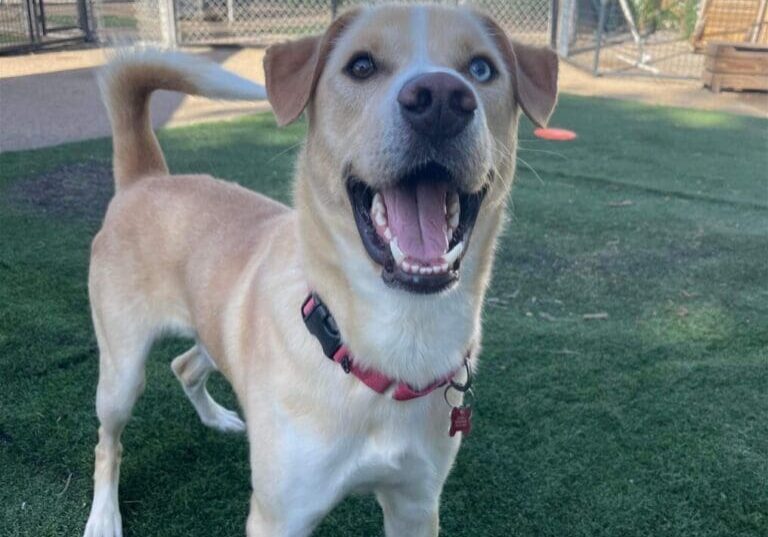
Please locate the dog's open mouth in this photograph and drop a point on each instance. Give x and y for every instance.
(418, 230)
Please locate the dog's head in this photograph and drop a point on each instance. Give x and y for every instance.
(413, 117)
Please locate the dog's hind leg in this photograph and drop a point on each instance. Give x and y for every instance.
(124, 341)
(193, 369)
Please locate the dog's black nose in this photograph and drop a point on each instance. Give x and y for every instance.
(437, 105)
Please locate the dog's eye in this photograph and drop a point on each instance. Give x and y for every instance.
(481, 69)
(361, 66)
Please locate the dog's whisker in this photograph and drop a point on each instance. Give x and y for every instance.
(505, 151)
(532, 169)
(545, 151)
(284, 151)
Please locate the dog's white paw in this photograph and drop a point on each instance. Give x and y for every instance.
(104, 522)
(219, 418)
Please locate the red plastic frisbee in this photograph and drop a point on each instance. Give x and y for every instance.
(559, 135)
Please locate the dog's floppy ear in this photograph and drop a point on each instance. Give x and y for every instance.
(292, 69)
(533, 71)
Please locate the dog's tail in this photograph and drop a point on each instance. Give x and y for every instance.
(127, 83)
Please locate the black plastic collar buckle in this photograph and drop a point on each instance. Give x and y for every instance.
(322, 325)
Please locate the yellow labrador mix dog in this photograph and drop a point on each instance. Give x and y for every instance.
(343, 323)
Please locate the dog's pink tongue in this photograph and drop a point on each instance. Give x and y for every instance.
(416, 216)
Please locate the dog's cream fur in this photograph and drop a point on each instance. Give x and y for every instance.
(230, 268)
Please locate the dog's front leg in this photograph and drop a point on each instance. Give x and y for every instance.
(260, 522)
(410, 511)
(265, 521)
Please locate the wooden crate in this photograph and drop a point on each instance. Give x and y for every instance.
(736, 21)
(736, 66)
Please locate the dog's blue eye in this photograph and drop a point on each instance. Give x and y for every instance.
(361, 66)
(481, 69)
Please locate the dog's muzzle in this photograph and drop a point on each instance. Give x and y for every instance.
(418, 230)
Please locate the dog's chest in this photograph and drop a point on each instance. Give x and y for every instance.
(382, 459)
(319, 469)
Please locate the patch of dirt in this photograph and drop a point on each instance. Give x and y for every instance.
(81, 190)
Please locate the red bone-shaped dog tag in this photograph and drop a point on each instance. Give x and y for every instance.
(461, 420)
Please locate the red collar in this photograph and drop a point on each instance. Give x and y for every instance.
(322, 325)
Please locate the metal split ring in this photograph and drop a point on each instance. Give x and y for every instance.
(468, 384)
(465, 388)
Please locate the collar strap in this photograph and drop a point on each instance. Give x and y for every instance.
(321, 324)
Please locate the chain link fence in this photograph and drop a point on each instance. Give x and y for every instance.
(663, 38)
(262, 22)
(15, 24)
(30, 24)
(268, 21)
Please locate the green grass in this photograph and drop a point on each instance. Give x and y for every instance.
(55, 21)
(119, 21)
(652, 422)
(12, 37)
(107, 21)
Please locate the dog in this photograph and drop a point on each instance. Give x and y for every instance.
(349, 325)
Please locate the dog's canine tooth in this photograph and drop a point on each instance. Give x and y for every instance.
(378, 210)
(397, 253)
(377, 202)
(453, 203)
(405, 266)
(454, 254)
(387, 234)
(454, 220)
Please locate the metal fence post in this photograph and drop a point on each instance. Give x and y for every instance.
(599, 38)
(553, 16)
(84, 19)
(29, 20)
(168, 23)
(565, 26)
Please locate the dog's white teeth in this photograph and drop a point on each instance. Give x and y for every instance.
(397, 253)
(453, 203)
(453, 222)
(449, 234)
(452, 213)
(378, 203)
(451, 257)
(415, 268)
(379, 211)
(388, 234)
(410, 267)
